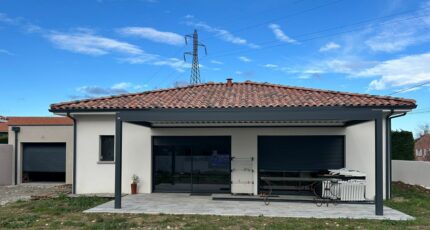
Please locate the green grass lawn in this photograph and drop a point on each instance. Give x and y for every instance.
(64, 212)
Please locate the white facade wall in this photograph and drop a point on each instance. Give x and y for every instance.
(93, 177)
(360, 153)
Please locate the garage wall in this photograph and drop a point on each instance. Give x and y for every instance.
(6, 162)
(45, 134)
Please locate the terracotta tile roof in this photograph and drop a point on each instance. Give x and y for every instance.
(39, 121)
(239, 95)
(3, 127)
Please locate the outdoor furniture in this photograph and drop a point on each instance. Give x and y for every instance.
(314, 182)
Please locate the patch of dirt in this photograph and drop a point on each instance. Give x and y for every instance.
(12, 193)
(404, 186)
(399, 199)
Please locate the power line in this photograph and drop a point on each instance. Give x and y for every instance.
(409, 88)
(158, 70)
(264, 12)
(287, 16)
(246, 50)
(283, 17)
(419, 112)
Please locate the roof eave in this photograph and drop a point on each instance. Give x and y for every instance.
(404, 107)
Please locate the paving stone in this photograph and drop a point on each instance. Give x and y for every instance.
(167, 203)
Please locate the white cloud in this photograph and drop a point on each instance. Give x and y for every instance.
(271, 66)
(175, 63)
(189, 16)
(217, 62)
(122, 85)
(401, 72)
(280, 35)
(220, 33)
(304, 76)
(85, 41)
(19, 22)
(118, 88)
(329, 46)
(244, 59)
(153, 35)
(401, 32)
(7, 52)
(156, 60)
(346, 65)
(91, 44)
(6, 19)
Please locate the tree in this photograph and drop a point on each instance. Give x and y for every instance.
(423, 129)
(402, 145)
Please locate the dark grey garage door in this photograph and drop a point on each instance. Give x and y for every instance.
(300, 153)
(44, 161)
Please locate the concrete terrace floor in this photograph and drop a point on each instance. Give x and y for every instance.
(184, 204)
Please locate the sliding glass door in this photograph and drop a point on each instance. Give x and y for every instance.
(197, 164)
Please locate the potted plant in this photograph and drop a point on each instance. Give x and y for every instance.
(134, 182)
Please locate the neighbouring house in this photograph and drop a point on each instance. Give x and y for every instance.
(228, 137)
(42, 149)
(422, 147)
(3, 131)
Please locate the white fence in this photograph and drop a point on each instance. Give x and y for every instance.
(412, 172)
(6, 164)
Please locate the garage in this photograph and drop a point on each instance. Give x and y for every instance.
(297, 157)
(191, 164)
(44, 162)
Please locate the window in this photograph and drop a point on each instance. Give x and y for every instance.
(418, 152)
(107, 144)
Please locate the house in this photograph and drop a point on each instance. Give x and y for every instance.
(224, 137)
(422, 147)
(3, 131)
(42, 149)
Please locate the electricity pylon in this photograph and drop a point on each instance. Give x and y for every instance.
(195, 69)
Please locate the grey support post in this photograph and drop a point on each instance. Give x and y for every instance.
(118, 160)
(379, 199)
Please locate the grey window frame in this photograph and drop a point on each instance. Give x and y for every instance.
(100, 161)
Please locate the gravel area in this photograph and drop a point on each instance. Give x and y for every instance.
(12, 193)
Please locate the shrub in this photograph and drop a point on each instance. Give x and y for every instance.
(402, 145)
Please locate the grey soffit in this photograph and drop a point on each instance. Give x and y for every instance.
(273, 114)
(247, 123)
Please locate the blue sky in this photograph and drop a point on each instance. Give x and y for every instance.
(52, 51)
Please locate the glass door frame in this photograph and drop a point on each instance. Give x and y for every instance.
(192, 159)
